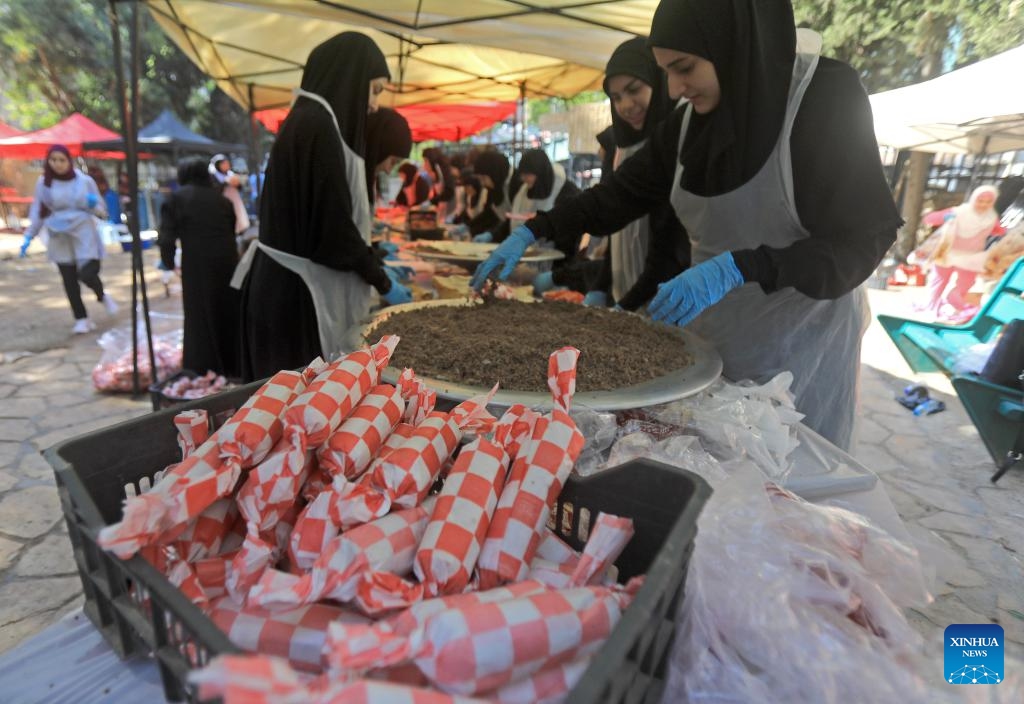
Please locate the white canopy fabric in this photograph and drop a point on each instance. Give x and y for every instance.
(973, 110)
(438, 50)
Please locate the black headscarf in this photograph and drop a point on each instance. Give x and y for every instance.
(494, 164)
(194, 172)
(340, 70)
(634, 58)
(752, 44)
(387, 135)
(536, 162)
(49, 175)
(408, 171)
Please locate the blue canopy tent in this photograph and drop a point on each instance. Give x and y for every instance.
(167, 134)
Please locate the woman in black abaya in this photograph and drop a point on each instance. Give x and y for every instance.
(311, 276)
(203, 221)
(763, 166)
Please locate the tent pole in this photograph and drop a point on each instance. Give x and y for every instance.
(254, 143)
(521, 122)
(129, 144)
(978, 164)
(133, 180)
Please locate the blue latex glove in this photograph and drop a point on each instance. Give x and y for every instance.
(617, 308)
(483, 237)
(389, 247)
(23, 252)
(397, 294)
(506, 256)
(684, 298)
(596, 299)
(398, 274)
(544, 281)
(92, 200)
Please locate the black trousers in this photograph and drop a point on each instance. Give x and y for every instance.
(88, 274)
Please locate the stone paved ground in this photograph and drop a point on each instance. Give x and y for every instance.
(935, 469)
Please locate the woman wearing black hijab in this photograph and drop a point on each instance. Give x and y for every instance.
(773, 169)
(203, 220)
(415, 188)
(311, 278)
(442, 190)
(501, 182)
(388, 141)
(653, 248)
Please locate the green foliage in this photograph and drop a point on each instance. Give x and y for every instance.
(60, 61)
(893, 43)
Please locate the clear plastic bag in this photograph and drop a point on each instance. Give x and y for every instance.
(817, 615)
(114, 370)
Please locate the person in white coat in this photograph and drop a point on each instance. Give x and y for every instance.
(67, 202)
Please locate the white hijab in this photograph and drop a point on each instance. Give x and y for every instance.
(969, 222)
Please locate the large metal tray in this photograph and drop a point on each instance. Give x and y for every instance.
(706, 368)
(470, 254)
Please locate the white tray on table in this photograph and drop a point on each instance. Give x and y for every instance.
(469, 254)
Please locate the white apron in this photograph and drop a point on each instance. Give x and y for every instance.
(629, 245)
(760, 335)
(341, 298)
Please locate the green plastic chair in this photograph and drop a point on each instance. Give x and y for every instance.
(997, 411)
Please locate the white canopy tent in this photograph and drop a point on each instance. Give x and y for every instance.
(978, 109)
(438, 50)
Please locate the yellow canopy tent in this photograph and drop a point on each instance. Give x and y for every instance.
(438, 50)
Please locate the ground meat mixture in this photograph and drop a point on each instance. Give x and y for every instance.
(509, 342)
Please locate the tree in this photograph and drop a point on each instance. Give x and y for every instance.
(59, 61)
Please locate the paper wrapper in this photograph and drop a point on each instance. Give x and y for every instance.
(209, 473)
(608, 538)
(297, 634)
(193, 430)
(419, 400)
(535, 481)
(205, 534)
(545, 687)
(337, 390)
(385, 545)
(482, 647)
(240, 679)
(350, 449)
(458, 525)
(407, 474)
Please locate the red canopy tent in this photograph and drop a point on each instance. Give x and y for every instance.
(8, 131)
(71, 132)
(447, 122)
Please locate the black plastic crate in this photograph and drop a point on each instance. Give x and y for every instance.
(139, 612)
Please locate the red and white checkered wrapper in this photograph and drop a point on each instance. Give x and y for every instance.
(337, 390)
(212, 573)
(256, 427)
(193, 430)
(272, 488)
(317, 482)
(378, 593)
(399, 434)
(385, 545)
(205, 534)
(481, 647)
(554, 549)
(183, 576)
(407, 474)
(548, 686)
(248, 565)
(350, 449)
(608, 538)
(242, 679)
(342, 506)
(297, 634)
(419, 400)
(183, 493)
(458, 524)
(535, 481)
(515, 429)
(363, 654)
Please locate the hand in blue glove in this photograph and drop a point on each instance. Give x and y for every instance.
(397, 294)
(92, 200)
(389, 247)
(506, 256)
(684, 298)
(596, 299)
(544, 281)
(398, 274)
(483, 237)
(23, 252)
